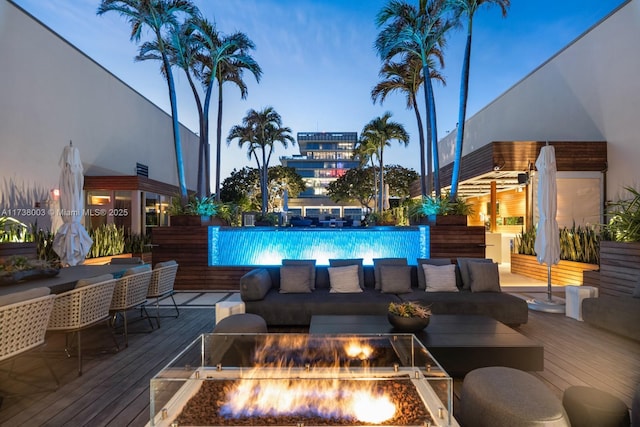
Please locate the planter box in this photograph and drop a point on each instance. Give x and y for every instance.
(564, 273)
(619, 267)
(433, 220)
(194, 220)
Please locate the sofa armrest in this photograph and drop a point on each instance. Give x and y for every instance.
(255, 284)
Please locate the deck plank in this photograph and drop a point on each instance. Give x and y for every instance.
(114, 390)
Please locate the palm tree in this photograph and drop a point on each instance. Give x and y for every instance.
(366, 150)
(261, 130)
(223, 58)
(406, 77)
(416, 32)
(466, 8)
(158, 16)
(379, 133)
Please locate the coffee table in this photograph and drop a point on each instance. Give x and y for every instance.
(459, 342)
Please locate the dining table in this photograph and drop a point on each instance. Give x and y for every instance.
(66, 278)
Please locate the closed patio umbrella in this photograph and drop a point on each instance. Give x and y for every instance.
(547, 244)
(72, 242)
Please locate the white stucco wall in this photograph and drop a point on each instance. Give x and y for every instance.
(590, 91)
(51, 93)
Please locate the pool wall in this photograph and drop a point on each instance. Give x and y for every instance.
(246, 246)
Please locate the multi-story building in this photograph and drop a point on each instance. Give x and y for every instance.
(323, 158)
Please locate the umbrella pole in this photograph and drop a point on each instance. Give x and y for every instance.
(549, 282)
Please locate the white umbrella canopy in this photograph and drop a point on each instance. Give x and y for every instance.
(547, 244)
(72, 242)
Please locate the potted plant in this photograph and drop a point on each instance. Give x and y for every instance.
(408, 316)
(197, 211)
(440, 211)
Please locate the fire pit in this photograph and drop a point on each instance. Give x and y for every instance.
(299, 379)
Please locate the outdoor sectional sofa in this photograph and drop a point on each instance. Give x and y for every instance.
(260, 291)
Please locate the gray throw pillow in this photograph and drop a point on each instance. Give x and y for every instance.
(422, 284)
(295, 279)
(255, 284)
(344, 279)
(463, 265)
(395, 279)
(347, 262)
(378, 262)
(311, 263)
(484, 277)
(440, 278)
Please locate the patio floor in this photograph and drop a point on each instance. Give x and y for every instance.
(114, 390)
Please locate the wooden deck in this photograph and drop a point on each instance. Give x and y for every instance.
(114, 390)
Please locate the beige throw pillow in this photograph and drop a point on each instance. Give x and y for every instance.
(344, 279)
(440, 278)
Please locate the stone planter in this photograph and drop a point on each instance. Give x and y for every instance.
(564, 273)
(408, 324)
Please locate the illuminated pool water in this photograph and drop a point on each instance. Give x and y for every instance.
(270, 245)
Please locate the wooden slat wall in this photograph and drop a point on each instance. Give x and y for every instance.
(520, 155)
(129, 182)
(619, 268)
(451, 241)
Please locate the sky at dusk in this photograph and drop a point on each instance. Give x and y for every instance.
(319, 64)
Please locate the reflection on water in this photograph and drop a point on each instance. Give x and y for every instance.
(270, 245)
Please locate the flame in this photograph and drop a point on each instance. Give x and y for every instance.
(274, 389)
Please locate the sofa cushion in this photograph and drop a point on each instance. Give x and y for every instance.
(311, 263)
(395, 279)
(344, 279)
(350, 261)
(440, 278)
(463, 265)
(295, 279)
(431, 261)
(484, 277)
(377, 262)
(255, 284)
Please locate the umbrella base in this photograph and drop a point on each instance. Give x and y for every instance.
(555, 305)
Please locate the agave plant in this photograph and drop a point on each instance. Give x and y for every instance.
(409, 309)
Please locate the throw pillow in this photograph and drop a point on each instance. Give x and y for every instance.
(463, 265)
(377, 262)
(395, 279)
(431, 261)
(440, 278)
(351, 261)
(484, 277)
(311, 263)
(295, 279)
(344, 279)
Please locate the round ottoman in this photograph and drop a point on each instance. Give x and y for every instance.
(505, 397)
(588, 406)
(241, 323)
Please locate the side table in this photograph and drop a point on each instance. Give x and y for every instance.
(227, 308)
(574, 296)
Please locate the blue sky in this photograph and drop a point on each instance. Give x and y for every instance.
(319, 64)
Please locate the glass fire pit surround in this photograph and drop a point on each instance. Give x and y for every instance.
(300, 379)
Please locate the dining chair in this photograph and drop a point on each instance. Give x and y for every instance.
(81, 308)
(23, 323)
(131, 292)
(163, 278)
